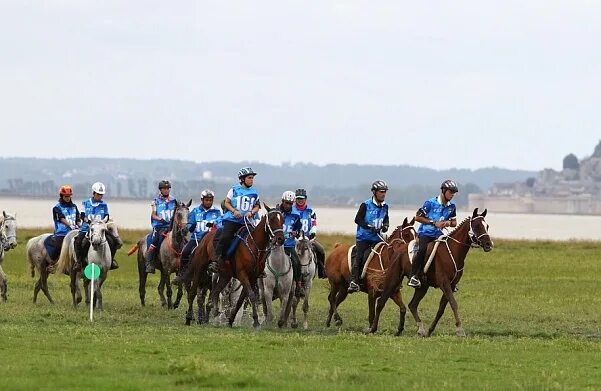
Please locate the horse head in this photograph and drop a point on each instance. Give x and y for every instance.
(404, 232)
(180, 216)
(8, 231)
(111, 227)
(479, 231)
(274, 225)
(98, 232)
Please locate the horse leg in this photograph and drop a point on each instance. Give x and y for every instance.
(398, 299)
(44, 278)
(178, 298)
(3, 284)
(98, 295)
(441, 308)
(213, 304)
(378, 307)
(252, 295)
(340, 297)
(418, 295)
(191, 293)
(290, 303)
(371, 307)
(268, 305)
(142, 275)
(169, 291)
(74, 288)
(161, 290)
(306, 310)
(448, 292)
(332, 300)
(86, 284)
(201, 298)
(235, 310)
(36, 289)
(288, 307)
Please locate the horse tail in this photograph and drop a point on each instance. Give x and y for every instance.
(133, 249)
(64, 261)
(28, 247)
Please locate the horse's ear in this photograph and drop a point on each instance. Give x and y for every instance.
(475, 212)
(4, 213)
(484, 213)
(405, 222)
(412, 222)
(106, 219)
(189, 203)
(267, 208)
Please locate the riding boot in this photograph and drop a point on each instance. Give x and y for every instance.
(355, 277)
(149, 257)
(414, 280)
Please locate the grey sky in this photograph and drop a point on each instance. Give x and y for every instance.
(466, 84)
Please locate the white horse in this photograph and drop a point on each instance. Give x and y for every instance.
(8, 241)
(98, 253)
(306, 255)
(277, 284)
(38, 258)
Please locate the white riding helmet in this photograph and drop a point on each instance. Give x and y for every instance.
(288, 196)
(207, 194)
(99, 188)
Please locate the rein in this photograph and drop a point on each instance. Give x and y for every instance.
(270, 235)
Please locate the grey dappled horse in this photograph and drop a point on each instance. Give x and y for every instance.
(38, 258)
(277, 283)
(304, 248)
(96, 254)
(169, 257)
(8, 241)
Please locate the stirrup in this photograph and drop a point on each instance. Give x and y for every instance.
(213, 267)
(414, 282)
(353, 287)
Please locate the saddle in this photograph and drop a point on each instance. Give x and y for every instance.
(352, 254)
(239, 236)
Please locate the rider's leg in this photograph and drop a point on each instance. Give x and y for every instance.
(296, 270)
(227, 235)
(358, 262)
(57, 242)
(152, 249)
(418, 261)
(186, 253)
(113, 247)
(320, 256)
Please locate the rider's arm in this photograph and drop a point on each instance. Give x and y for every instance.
(385, 223)
(256, 207)
(228, 204)
(153, 213)
(313, 222)
(360, 217)
(422, 214)
(57, 215)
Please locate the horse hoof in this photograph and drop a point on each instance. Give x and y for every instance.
(460, 332)
(282, 324)
(422, 333)
(294, 325)
(398, 333)
(369, 331)
(338, 323)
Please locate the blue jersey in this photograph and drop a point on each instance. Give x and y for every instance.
(93, 210)
(434, 210)
(291, 223)
(198, 219)
(242, 198)
(70, 213)
(307, 218)
(374, 217)
(164, 208)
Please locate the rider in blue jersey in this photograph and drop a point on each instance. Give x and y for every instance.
(309, 222)
(241, 204)
(93, 208)
(371, 219)
(200, 220)
(292, 227)
(436, 214)
(162, 208)
(65, 216)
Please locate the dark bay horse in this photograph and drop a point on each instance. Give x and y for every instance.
(169, 256)
(246, 264)
(444, 272)
(338, 273)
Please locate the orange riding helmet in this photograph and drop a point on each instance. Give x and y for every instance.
(65, 190)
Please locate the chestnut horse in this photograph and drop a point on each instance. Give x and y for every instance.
(246, 265)
(445, 271)
(338, 273)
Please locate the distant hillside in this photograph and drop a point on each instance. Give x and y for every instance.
(332, 184)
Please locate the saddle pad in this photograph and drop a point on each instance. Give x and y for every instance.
(352, 252)
(240, 235)
(51, 249)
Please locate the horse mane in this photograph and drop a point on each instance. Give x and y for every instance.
(398, 229)
(459, 225)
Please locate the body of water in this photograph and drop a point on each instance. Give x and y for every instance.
(135, 214)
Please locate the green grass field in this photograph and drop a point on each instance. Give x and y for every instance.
(531, 311)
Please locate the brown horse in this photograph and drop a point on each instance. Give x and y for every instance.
(445, 271)
(338, 273)
(246, 265)
(169, 256)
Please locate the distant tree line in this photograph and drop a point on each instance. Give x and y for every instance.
(142, 188)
